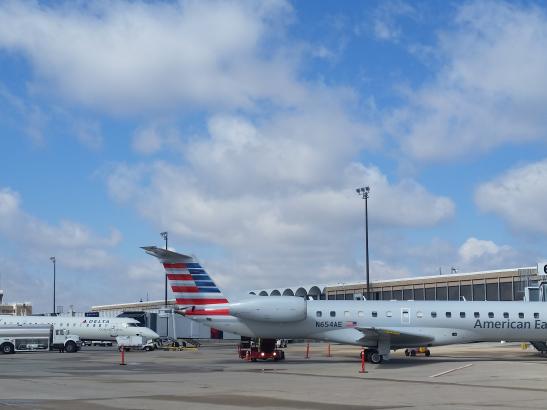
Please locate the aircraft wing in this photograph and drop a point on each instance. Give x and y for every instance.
(395, 336)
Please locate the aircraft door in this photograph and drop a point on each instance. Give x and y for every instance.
(112, 330)
(405, 316)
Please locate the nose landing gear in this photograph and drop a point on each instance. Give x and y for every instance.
(372, 356)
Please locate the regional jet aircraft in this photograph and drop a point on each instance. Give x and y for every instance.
(88, 328)
(379, 326)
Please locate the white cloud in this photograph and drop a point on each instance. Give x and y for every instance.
(90, 270)
(130, 55)
(72, 242)
(154, 137)
(385, 24)
(473, 249)
(89, 134)
(490, 89)
(518, 196)
(147, 141)
(277, 196)
(30, 118)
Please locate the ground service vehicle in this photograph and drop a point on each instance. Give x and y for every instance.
(101, 343)
(37, 338)
(281, 343)
(419, 350)
(263, 349)
(134, 342)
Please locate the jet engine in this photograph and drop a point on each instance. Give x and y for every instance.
(271, 309)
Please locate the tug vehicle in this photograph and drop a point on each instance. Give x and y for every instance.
(419, 350)
(259, 349)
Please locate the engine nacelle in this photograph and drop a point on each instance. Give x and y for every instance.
(271, 309)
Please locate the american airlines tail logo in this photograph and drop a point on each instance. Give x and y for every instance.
(192, 285)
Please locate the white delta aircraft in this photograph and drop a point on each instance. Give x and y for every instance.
(378, 326)
(88, 328)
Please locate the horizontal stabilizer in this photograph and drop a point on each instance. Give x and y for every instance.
(166, 256)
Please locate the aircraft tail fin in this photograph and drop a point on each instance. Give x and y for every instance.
(189, 282)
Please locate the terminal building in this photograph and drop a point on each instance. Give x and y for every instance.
(17, 309)
(503, 284)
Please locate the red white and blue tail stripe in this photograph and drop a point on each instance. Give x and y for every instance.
(190, 284)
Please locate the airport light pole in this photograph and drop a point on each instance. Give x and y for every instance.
(52, 259)
(363, 193)
(165, 236)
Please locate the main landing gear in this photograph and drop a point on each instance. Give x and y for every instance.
(372, 356)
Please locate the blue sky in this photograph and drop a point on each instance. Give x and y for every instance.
(243, 128)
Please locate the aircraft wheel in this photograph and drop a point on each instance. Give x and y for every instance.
(375, 357)
(407, 353)
(428, 353)
(413, 353)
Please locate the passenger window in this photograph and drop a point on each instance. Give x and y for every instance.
(536, 315)
(477, 314)
(318, 313)
(389, 314)
(462, 315)
(332, 313)
(490, 315)
(433, 314)
(419, 314)
(505, 315)
(448, 314)
(360, 313)
(374, 314)
(521, 315)
(346, 313)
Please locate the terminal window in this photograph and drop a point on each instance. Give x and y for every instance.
(478, 292)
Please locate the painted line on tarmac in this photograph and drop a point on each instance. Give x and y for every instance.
(451, 370)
